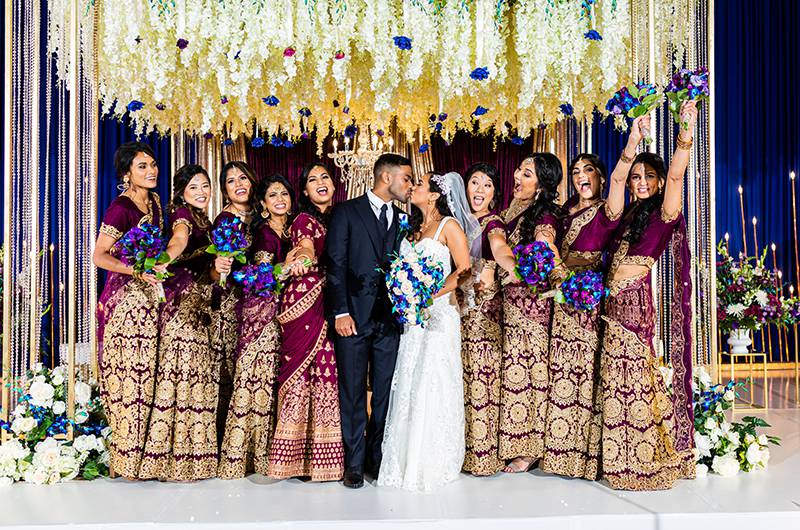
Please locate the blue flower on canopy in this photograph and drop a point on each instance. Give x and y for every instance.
(480, 111)
(257, 142)
(480, 74)
(566, 109)
(517, 140)
(272, 101)
(424, 148)
(404, 43)
(593, 35)
(135, 105)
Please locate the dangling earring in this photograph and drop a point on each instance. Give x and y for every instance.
(265, 214)
(124, 186)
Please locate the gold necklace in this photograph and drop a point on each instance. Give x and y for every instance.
(516, 208)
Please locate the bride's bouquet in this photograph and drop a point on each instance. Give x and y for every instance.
(142, 248)
(412, 280)
(534, 262)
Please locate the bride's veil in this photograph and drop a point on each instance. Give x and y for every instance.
(457, 202)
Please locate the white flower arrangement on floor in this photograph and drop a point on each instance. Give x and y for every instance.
(38, 453)
(721, 446)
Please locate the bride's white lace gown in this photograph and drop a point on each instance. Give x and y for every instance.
(423, 445)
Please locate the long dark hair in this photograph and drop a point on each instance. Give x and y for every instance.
(595, 162)
(125, 153)
(248, 172)
(260, 194)
(179, 182)
(305, 204)
(549, 175)
(490, 171)
(415, 219)
(640, 211)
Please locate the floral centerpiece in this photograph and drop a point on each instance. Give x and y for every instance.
(38, 451)
(721, 446)
(746, 296)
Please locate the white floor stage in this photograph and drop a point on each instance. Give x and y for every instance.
(769, 499)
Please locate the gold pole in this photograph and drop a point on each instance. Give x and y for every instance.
(744, 225)
(72, 259)
(6, 376)
(33, 277)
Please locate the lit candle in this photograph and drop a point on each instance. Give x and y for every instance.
(335, 143)
(727, 242)
(794, 229)
(755, 237)
(744, 230)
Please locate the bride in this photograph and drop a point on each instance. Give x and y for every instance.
(423, 445)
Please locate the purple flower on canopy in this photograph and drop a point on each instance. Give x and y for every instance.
(593, 35)
(346, 109)
(208, 136)
(404, 43)
(272, 101)
(257, 142)
(305, 112)
(160, 106)
(480, 74)
(379, 132)
(182, 44)
(223, 100)
(424, 148)
(304, 136)
(350, 131)
(480, 111)
(438, 127)
(442, 116)
(566, 109)
(135, 105)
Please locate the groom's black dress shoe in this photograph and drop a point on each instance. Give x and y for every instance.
(353, 478)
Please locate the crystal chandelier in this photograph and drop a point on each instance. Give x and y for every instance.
(356, 163)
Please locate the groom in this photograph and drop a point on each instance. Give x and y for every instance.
(362, 235)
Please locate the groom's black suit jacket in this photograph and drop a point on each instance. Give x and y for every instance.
(358, 250)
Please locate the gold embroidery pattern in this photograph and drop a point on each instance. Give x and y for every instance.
(577, 225)
(110, 231)
(182, 437)
(298, 307)
(482, 352)
(262, 256)
(638, 450)
(308, 435)
(127, 368)
(523, 396)
(573, 426)
(251, 415)
(514, 210)
(224, 336)
(185, 222)
(669, 218)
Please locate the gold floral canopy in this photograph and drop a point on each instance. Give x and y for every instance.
(285, 67)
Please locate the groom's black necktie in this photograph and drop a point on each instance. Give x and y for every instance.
(384, 219)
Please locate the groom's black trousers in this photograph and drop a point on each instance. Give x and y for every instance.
(374, 348)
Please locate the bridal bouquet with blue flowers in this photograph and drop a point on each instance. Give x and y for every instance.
(412, 280)
(142, 248)
(229, 240)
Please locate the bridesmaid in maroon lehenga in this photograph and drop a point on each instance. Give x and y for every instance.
(572, 429)
(648, 434)
(127, 312)
(238, 184)
(308, 435)
(481, 325)
(251, 415)
(182, 440)
(533, 215)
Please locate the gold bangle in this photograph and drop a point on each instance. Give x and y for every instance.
(625, 158)
(136, 275)
(685, 145)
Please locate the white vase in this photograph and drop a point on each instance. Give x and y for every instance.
(739, 340)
